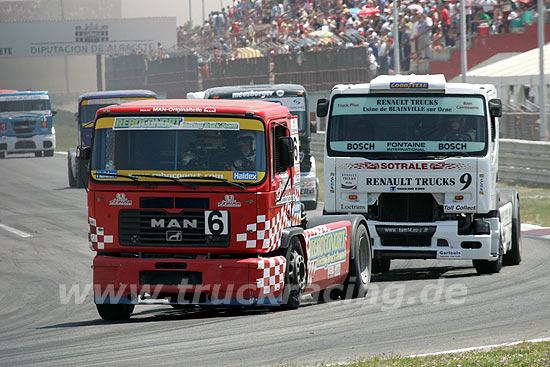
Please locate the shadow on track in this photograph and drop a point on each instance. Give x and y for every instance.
(405, 274)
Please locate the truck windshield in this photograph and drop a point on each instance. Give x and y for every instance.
(296, 105)
(21, 105)
(407, 126)
(180, 147)
(89, 107)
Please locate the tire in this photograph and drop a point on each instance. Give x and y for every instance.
(48, 153)
(81, 173)
(490, 267)
(358, 279)
(72, 181)
(2, 155)
(295, 274)
(115, 312)
(38, 154)
(513, 257)
(381, 266)
(310, 205)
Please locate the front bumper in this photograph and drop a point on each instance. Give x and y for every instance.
(27, 144)
(208, 282)
(443, 244)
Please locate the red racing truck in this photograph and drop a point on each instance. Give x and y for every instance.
(197, 203)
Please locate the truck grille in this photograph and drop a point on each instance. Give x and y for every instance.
(405, 235)
(407, 208)
(151, 228)
(24, 127)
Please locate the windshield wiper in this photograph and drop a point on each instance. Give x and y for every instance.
(135, 179)
(219, 179)
(176, 180)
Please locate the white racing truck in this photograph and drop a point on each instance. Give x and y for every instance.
(418, 157)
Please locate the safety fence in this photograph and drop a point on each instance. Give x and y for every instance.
(519, 160)
(174, 76)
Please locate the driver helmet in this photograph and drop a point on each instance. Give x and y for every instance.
(246, 143)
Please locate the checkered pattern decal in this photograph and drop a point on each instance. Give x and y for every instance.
(96, 235)
(266, 233)
(273, 278)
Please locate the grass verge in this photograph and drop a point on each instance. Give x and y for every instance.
(520, 355)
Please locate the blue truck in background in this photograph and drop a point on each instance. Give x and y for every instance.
(26, 124)
(88, 104)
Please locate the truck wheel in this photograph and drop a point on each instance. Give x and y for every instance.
(48, 153)
(38, 154)
(310, 205)
(295, 274)
(115, 312)
(489, 267)
(72, 181)
(380, 266)
(513, 257)
(360, 266)
(2, 155)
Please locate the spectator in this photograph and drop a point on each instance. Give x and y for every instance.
(373, 65)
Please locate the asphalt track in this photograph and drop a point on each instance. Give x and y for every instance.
(418, 307)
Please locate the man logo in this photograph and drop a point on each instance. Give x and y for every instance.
(174, 236)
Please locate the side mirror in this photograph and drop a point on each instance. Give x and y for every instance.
(322, 107)
(313, 127)
(83, 153)
(495, 107)
(286, 152)
(54, 112)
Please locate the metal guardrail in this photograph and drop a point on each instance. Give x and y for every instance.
(519, 160)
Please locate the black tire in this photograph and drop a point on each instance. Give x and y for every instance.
(490, 267)
(38, 154)
(48, 153)
(72, 181)
(295, 274)
(358, 279)
(381, 266)
(115, 312)
(2, 155)
(310, 205)
(513, 257)
(81, 173)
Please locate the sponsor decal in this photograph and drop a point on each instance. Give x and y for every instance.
(307, 191)
(331, 182)
(121, 199)
(280, 93)
(102, 174)
(481, 184)
(353, 207)
(210, 110)
(349, 181)
(328, 248)
(408, 85)
(229, 202)
(253, 93)
(458, 207)
(124, 123)
(245, 176)
(449, 254)
(413, 166)
(410, 181)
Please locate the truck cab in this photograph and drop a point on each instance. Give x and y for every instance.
(418, 157)
(26, 124)
(197, 203)
(88, 104)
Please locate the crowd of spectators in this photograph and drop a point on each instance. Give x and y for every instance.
(283, 26)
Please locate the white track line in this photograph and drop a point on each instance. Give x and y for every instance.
(15, 231)
(485, 347)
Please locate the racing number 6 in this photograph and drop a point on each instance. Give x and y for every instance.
(216, 222)
(466, 179)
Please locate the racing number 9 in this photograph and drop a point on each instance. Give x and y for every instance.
(465, 179)
(216, 222)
